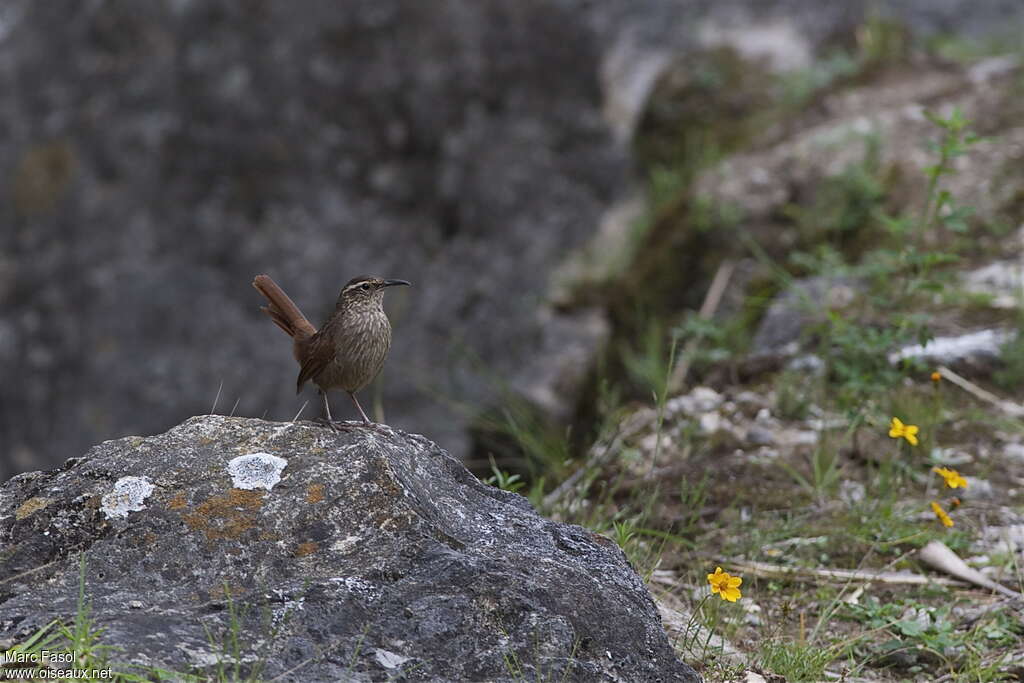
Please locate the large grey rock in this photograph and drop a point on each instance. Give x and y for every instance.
(804, 304)
(370, 555)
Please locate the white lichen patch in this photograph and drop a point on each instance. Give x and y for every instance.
(256, 471)
(346, 544)
(127, 496)
(359, 587)
(388, 659)
(282, 429)
(210, 426)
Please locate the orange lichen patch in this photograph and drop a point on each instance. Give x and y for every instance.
(30, 506)
(224, 591)
(602, 540)
(307, 548)
(227, 516)
(142, 540)
(314, 493)
(178, 502)
(42, 176)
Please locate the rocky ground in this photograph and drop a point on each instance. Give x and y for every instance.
(828, 540)
(860, 259)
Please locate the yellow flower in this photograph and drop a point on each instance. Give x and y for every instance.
(726, 586)
(952, 477)
(909, 432)
(936, 376)
(941, 514)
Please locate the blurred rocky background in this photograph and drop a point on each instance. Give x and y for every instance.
(154, 156)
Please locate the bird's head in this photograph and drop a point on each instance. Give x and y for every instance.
(366, 291)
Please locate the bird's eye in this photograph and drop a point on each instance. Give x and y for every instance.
(365, 287)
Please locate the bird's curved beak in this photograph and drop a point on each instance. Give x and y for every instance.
(392, 283)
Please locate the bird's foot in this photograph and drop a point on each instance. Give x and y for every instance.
(336, 425)
(377, 427)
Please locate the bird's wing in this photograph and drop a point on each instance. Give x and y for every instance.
(319, 353)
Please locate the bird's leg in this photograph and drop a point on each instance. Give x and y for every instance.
(327, 406)
(355, 400)
(329, 421)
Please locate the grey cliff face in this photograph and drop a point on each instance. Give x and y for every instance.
(162, 153)
(357, 556)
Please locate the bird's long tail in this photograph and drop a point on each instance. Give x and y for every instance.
(282, 310)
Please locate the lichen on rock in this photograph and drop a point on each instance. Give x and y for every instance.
(127, 496)
(256, 471)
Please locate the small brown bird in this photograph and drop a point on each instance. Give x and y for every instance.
(349, 349)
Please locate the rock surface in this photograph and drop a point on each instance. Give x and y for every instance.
(367, 556)
(840, 134)
(806, 303)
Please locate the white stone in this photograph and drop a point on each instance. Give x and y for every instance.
(1005, 539)
(710, 423)
(977, 489)
(1014, 451)
(949, 349)
(706, 398)
(948, 456)
(806, 363)
(1002, 280)
(851, 492)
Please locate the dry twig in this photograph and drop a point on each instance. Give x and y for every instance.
(772, 571)
(938, 555)
(711, 301)
(1009, 407)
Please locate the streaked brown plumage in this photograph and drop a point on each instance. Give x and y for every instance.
(349, 349)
